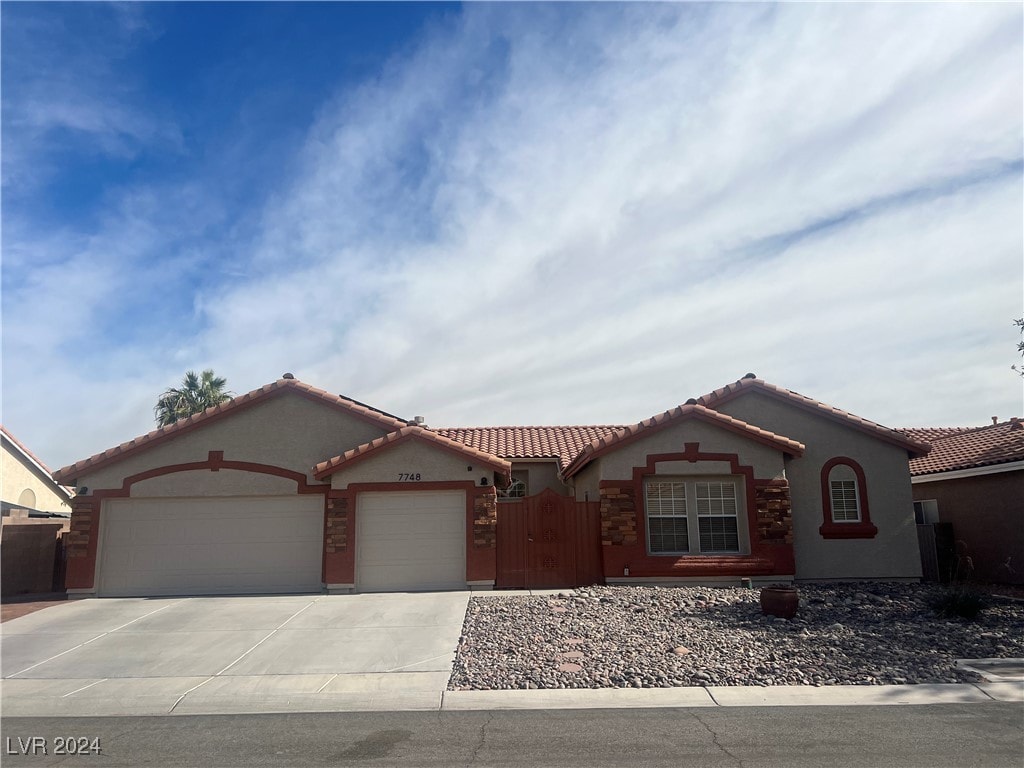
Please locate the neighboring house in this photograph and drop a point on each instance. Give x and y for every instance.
(974, 479)
(291, 488)
(27, 483)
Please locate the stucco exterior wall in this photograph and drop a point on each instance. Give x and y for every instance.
(543, 475)
(286, 431)
(987, 513)
(893, 553)
(618, 465)
(395, 464)
(224, 482)
(16, 476)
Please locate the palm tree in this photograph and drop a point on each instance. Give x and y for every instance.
(197, 393)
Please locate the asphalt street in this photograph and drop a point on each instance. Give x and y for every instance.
(745, 737)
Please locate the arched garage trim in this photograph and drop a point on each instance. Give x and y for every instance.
(83, 538)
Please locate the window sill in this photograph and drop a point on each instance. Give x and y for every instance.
(861, 530)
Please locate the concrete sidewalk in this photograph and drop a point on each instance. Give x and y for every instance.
(425, 692)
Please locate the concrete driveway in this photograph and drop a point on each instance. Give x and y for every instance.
(213, 655)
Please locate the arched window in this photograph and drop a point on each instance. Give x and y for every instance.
(27, 499)
(844, 501)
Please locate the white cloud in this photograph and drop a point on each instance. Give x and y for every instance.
(623, 212)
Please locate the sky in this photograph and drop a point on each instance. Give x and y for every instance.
(508, 213)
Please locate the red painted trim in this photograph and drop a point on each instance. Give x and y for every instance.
(339, 464)
(764, 559)
(683, 413)
(830, 529)
(82, 571)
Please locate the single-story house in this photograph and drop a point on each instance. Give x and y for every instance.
(974, 479)
(291, 488)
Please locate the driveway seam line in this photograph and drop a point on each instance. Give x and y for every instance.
(186, 693)
(318, 690)
(90, 640)
(421, 661)
(90, 685)
(985, 692)
(261, 642)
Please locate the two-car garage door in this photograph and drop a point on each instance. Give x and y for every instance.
(231, 545)
(227, 545)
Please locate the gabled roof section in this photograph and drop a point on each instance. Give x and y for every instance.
(211, 415)
(561, 443)
(678, 414)
(35, 462)
(751, 383)
(980, 447)
(407, 433)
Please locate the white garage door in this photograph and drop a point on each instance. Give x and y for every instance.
(211, 546)
(411, 541)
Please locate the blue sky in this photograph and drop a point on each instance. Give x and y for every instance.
(493, 214)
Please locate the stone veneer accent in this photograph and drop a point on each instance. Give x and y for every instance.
(336, 536)
(485, 520)
(618, 516)
(774, 512)
(76, 540)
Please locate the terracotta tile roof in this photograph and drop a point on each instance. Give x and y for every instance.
(688, 411)
(731, 391)
(409, 432)
(383, 420)
(979, 447)
(930, 434)
(562, 443)
(33, 459)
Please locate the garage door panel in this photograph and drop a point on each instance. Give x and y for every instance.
(211, 546)
(409, 541)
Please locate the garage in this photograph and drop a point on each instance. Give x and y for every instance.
(231, 545)
(411, 541)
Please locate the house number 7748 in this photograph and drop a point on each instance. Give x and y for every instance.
(408, 476)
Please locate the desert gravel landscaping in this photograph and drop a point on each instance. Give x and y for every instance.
(649, 637)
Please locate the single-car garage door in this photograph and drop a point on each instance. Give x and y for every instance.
(210, 546)
(411, 541)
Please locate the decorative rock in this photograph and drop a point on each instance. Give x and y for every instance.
(523, 641)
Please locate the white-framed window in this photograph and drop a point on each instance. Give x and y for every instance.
(844, 494)
(667, 523)
(518, 487)
(717, 517)
(926, 511)
(693, 516)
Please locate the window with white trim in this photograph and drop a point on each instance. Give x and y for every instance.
(666, 517)
(844, 494)
(717, 517)
(708, 524)
(518, 486)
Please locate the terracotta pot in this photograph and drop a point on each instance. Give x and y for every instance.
(779, 601)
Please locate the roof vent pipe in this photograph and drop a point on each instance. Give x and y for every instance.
(419, 420)
(995, 420)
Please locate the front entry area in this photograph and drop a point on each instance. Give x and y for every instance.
(410, 541)
(209, 546)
